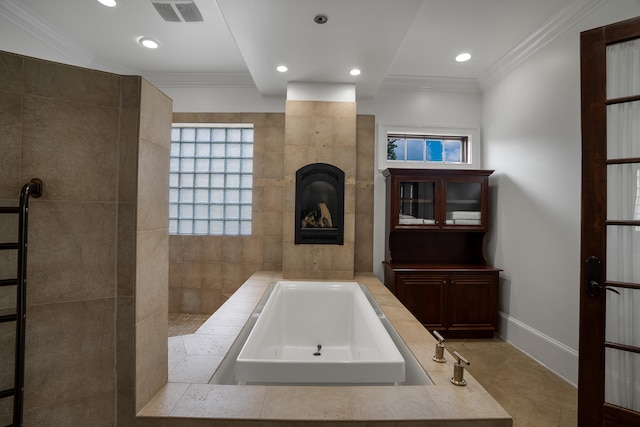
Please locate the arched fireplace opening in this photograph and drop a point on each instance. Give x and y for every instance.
(319, 205)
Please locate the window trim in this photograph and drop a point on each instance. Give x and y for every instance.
(474, 146)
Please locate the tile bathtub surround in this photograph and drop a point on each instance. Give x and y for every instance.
(193, 403)
(528, 391)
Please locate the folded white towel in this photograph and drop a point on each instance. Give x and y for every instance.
(467, 221)
(411, 221)
(465, 215)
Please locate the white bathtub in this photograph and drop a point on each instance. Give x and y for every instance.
(282, 347)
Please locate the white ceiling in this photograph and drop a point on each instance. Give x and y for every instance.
(394, 42)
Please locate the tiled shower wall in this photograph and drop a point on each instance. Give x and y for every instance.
(91, 312)
(151, 280)
(205, 270)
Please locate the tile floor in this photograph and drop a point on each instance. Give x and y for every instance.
(184, 324)
(533, 395)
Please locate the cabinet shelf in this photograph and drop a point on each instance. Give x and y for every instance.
(407, 199)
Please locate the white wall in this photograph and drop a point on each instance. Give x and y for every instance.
(426, 108)
(531, 128)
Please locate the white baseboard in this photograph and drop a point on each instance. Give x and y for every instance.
(554, 355)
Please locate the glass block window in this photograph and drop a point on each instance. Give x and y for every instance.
(427, 148)
(211, 179)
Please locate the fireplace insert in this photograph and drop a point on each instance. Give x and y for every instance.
(319, 205)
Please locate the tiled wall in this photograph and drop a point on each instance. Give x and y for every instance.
(319, 132)
(78, 130)
(151, 286)
(365, 169)
(205, 270)
(61, 124)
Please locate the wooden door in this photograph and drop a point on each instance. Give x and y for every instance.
(609, 360)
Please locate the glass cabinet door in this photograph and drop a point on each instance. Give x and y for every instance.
(463, 203)
(417, 203)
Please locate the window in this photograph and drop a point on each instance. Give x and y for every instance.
(211, 179)
(427, 148)
(422, 147)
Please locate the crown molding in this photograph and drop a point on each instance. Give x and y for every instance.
(553, 28)
(78, 54)
(557, 25)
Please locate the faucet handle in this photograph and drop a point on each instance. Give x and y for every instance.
(458, 369)
(439, 356)
(460, 359)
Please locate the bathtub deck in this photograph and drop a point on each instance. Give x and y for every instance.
(188, 400)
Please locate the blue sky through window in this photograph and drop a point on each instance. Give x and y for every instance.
(415, 149)
(434, 150)
(426, 148)
(399, 150)
(452, 151)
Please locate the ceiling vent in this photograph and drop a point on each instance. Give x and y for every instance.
(178, 10)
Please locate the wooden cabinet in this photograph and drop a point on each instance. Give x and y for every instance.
(435, 263)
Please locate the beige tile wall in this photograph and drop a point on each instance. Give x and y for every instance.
(319, 132)
(60, 124)
(96, 327)
(152, 243)
(205, 270)
(365, 161)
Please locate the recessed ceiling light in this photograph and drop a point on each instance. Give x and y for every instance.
(463, 57)
(148, 42)
(354, 72)
(108, 3)
(282, 68)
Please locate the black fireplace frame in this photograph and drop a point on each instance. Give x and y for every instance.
(334, 178)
